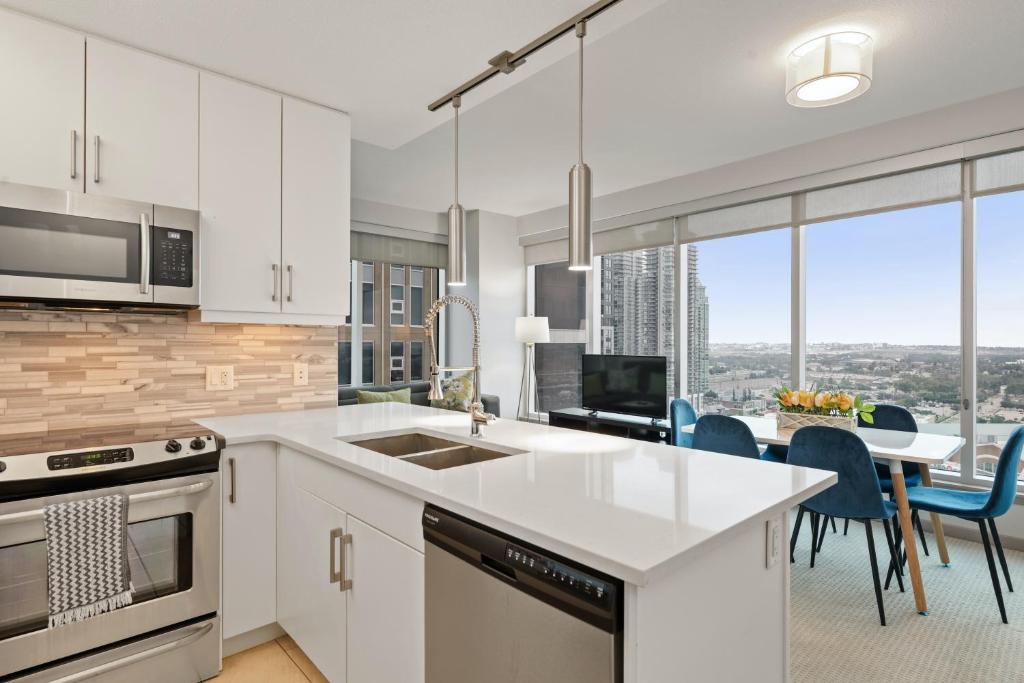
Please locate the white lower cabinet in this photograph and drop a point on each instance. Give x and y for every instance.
(350, 595)
(385, 608)
(249, 478)
(310, 604)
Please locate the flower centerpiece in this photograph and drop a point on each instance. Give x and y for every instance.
(826, 408)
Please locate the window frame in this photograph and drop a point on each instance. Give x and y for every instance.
(969, 475)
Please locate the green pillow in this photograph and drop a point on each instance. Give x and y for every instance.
(396, 396)
(457, 393)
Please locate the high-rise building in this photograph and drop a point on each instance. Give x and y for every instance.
(637, 303)
(697, 363)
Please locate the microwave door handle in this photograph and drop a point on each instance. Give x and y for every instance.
(144, 258)
(133, 499)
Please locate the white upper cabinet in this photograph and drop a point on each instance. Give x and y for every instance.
(239, 195)
(43, 95)
(315, 209)
(142, 139)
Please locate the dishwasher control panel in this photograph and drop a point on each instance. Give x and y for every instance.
(583, 585)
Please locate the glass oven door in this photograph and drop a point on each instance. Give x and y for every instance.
(174, 559)
(159, 559)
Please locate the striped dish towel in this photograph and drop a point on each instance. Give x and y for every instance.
(87, 558)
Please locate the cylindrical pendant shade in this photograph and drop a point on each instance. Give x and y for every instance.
(456, 245)
(580, 196)
(829, 70)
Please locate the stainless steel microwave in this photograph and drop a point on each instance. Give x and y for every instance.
(68, 249)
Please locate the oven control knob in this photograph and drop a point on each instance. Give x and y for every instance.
(197, 444)
(172, 446)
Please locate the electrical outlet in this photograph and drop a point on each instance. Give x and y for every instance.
(773, 543)
(220, 377)
(300, 374)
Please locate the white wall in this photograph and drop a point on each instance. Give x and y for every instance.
(496, 281)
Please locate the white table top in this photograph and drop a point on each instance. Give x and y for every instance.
(630, 508)
(884, 444)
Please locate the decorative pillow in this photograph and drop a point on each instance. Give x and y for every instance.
(457, 393)
(396, 396)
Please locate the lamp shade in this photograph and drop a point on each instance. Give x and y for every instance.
(532, 330)
(829, 70)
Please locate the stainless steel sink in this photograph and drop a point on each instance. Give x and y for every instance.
(404, 444)
(428, 450)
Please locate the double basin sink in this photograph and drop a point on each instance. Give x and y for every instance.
(429, 450)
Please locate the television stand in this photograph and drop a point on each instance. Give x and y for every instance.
(612, 424)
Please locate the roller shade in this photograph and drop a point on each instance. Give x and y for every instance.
(930, 185)
(398, 250)
(642, 236)
(1001, 172)
(546, 252)
(770, 213)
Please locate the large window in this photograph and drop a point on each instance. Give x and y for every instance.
(999, 222)
(638, 303)
(561, 295)
(737, 302)
(392, 344)
(883, 310)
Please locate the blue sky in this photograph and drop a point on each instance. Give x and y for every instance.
(891, 277)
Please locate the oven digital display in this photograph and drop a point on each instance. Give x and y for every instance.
(88, 459)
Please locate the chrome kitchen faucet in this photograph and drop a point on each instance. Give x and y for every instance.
(476, 409)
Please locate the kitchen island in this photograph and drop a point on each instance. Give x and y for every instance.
(697, 538)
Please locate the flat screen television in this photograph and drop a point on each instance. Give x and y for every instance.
(631, 385)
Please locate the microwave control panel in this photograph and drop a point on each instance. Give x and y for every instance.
(172, 257)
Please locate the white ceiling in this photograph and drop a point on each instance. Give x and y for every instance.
(672, 86)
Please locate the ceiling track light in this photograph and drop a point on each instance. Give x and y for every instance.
(456, 219)
(829, 69)
(580, 185)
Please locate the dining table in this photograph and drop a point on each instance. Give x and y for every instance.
(892, 448)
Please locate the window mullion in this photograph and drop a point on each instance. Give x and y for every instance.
(968, 325)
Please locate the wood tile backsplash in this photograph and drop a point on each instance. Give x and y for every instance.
(69, 370)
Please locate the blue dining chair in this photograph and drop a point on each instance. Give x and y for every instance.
(981, 506)
(681, 414)
(724, 434)
(856, 496)
(899, 419)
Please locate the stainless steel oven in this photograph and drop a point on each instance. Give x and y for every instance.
(61, 248)
(171, 631)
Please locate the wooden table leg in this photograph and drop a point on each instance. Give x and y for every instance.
(940, 535)
(909, 541)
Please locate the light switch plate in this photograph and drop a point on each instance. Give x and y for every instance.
(773, 543)
(220, 377)
(300, 374)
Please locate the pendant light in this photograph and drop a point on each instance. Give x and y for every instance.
(580, 187)
(456, 219)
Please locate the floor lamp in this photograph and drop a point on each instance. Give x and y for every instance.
(530, 330)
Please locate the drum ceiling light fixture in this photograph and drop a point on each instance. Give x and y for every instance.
(830, 69)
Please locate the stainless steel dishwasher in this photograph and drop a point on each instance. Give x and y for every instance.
(503, 611)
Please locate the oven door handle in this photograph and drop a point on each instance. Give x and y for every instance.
(134, 499)
(192, 635)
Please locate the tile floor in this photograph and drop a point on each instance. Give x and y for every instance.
(280, 661)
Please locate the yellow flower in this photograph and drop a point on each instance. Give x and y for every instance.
(845, 402)
(792, 399)
(806, 399)
(820, 399)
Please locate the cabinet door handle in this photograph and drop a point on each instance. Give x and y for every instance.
(346, 539)
(232, 498)
(96, 159)
(74, 153)
(291, 281)
(273, 269)
(335, 575)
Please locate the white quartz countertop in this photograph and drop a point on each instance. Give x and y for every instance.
(629, 508)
